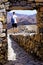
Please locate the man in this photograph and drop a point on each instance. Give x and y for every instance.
(14, 21)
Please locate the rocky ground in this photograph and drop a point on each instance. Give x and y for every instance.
(17, 56)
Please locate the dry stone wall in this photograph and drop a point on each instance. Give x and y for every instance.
(3, 50)
(31, 44)
(40, 19)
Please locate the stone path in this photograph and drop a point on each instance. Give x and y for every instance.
(17, 56)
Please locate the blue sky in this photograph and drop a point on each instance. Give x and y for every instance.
(26, 12)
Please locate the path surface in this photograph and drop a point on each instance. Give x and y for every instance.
(17, 56)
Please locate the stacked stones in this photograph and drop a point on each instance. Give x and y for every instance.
(3, 50)
(40, 19)
(3, 40)
(25, 4)
(40, 27)
(31, 44)
(4, 4)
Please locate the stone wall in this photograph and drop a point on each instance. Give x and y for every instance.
(3, 50)
(40, 19)
(25, 4)
(31, 44)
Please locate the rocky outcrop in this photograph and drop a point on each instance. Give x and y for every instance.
(31, 44)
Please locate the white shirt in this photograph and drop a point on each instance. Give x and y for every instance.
(1, 27)
(15, 18)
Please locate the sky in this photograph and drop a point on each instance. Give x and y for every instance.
(26, 12)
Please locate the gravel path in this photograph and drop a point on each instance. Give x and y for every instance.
(17, 56)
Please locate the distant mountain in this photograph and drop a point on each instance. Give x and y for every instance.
(27, 20)
(22, 15)
(23, 20)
